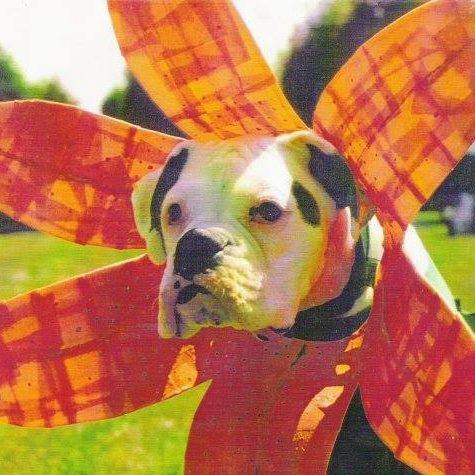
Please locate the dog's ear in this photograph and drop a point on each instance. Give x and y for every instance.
(332, 172)
(141, 201)
(147, 201)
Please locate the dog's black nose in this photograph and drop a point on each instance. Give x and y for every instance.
(196, 253)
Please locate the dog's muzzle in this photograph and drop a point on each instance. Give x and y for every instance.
(198, 252)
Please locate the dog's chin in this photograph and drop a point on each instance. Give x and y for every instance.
(231, 295)
(192, 308)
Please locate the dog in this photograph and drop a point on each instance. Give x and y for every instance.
(268, 232)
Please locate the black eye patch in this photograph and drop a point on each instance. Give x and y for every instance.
(306, 203)
(332, 172)
(169, 176)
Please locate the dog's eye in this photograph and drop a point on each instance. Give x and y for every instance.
(267, 211)
(174, 213)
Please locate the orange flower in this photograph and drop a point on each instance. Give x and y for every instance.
(402, 112)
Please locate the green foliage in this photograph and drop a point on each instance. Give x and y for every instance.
(114, 103)
(339, 12)
(49, 90)
(13, 85)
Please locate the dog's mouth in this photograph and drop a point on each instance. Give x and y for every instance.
(195, 307)
(225, 297)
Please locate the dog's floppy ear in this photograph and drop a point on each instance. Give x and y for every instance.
(141, 200)
(332, 172)
(147, 201)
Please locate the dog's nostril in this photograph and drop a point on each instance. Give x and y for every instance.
(195, 254)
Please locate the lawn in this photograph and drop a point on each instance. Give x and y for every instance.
(151, 440)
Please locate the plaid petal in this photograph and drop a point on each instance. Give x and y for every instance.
(402, 109)
(418, 386)
(88, 349)
(69, 173)
(199, 63)
(274, 406)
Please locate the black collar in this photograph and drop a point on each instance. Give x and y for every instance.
(326, 322)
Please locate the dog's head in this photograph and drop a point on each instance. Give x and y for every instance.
(252, 230)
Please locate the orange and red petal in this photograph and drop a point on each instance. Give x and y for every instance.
(88, 349)
(69, 172)
(418, 387)
(273, 406)
(402, 109)
(199, 63)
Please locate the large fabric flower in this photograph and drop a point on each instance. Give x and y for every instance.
(401, 111)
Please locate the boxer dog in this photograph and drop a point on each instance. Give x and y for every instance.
(253, 231)
(267, 232)
(261, 232)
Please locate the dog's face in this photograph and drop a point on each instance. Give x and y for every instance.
(243, 227)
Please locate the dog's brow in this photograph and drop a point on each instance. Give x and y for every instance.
(169, 176)
(306, 203)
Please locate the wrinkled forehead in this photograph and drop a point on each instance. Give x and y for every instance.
(246, 162)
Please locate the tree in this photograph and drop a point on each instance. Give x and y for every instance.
(114, 104)
(49, 90)
(12, 83)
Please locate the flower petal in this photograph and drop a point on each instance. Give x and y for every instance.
(276, 405)
(88, 349)
(402, 109)
(199, 63)
(418, 387)
(70, 173)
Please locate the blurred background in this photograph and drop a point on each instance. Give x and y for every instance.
(66, 52)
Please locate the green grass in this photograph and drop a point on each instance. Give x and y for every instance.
(152, 440)
(454, 257)
(31, 260)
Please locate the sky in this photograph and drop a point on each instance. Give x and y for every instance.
(73, 40)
